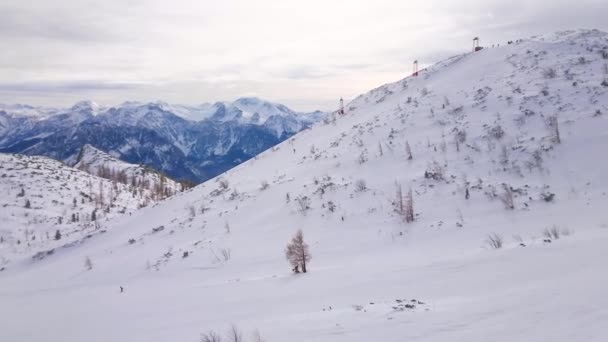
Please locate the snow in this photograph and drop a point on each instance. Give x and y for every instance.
(367, 262)
(93, 161)
(56, 193)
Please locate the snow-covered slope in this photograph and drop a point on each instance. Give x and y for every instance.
(41, 196)
(486, 161)
(103, 165)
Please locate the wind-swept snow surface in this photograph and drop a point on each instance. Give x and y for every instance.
(507, 150)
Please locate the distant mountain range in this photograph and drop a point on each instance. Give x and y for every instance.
(185, 142)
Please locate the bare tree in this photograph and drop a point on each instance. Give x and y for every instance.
(398, 203)
(466, 184)
(503, 158)
(553, 124)
(409, 207)
(507, 197)
(234, 335)
(408, 151)
(211, 336)
(297, 252)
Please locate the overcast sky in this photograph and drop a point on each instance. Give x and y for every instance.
(304, 53)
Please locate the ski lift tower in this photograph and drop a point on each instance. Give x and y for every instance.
(476, 46)
(415, 73)
(341, 110)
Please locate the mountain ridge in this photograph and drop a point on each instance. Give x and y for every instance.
(157, 134)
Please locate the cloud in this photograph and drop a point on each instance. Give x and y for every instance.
(63, 87)
(307, 53)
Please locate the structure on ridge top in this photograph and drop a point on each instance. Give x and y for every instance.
(415, 73)
(341, 110)
(476, 46)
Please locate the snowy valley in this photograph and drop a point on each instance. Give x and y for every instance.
(464, 204)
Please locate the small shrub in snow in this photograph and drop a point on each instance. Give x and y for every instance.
(360, 185)
(223, 184)
(549, 73)
(88, 264)
(331, 206)
(226, 254)
(297, 253)
(28, 204)
(547, 196)
(264, 185)
(57, 235)
(303, 203)
(496, 132)
(494, 241)
(553, 233)
(362, 157)
(434, 171)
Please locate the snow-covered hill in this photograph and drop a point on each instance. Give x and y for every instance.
(101, 164)
(504, 153)
(41, 197)
(184, 142)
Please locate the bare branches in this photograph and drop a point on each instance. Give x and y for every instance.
(210, 336)
(494, 241)
(297, 253)
(404, 207)
(507, 197)
(553, 124)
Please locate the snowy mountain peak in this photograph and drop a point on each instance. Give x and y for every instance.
(86, 106)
